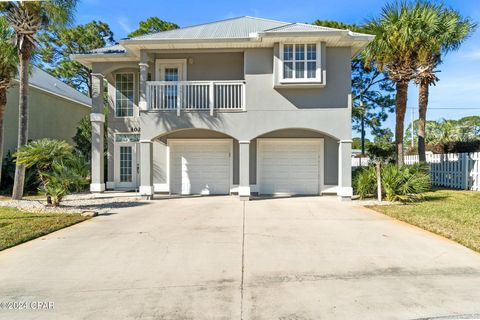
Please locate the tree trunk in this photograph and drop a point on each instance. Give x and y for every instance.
(401, 108)
(422, 117)
(363, 133)
(3, 104)
(379, 181)
(24, 55)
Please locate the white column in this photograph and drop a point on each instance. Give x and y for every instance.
(244, 170)
(142, 99)
(97, 119)
(146, 166)
(345, 190)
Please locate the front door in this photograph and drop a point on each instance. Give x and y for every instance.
(127, 166)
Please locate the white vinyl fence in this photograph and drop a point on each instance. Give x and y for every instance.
(453, 170)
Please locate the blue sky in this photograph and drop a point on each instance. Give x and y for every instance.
(457, 90)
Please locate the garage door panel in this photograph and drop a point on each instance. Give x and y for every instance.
(200, 167)
(289, 166)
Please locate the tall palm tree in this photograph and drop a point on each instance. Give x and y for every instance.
(27, 18)
(8, 70)
(394, 51)
(444, 31)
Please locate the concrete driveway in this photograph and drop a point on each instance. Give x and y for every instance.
(219, 258)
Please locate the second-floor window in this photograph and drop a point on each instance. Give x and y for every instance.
(300, 62)
(124, 85)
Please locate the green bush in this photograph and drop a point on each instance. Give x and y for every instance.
(406, 183)
(365, 182)
(58, 167)
(31, 183)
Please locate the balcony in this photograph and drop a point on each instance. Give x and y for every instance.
(208, 96)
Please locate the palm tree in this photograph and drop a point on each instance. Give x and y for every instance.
(394, 51)
(27, 18)
(444, 31)
(8, 70)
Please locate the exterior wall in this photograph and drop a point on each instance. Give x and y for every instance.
(160, 152)
(324, 112)
(207, 66)
(50, 116)
(268, 109)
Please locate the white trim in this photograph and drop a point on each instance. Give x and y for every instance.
(159, 62)
(171, 142)
(146, 190)
(161, 187)
(244, 191)
(97, 117)
(244, 142)
(321, 160)
(346, 192)
(135, 93)
(97, 187)
(318, 60)
(234, 188)
(345, 141)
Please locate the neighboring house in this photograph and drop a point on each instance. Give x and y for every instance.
(54, 110)
(244, 105)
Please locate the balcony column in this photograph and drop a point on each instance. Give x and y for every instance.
(345, 190)
(142, 99)
(97, 118)
(244, 170)
(146, 169)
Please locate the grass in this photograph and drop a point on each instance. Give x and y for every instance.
(18, 226)
(450, 213)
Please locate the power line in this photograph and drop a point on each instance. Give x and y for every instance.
(446, 108)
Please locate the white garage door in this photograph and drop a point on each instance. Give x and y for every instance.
(290, 166)
(200, 167)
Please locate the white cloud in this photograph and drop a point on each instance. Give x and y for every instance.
(473, 54)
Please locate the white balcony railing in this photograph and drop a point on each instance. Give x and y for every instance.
(196, 95)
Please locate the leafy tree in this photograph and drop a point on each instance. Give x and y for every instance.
(27, 18)
(58, 43)
(447, 130)
(357, 142)
(152, 25)
(444, 30)
(394, 51)
(8, 70)
(83, 136)
(372, 90)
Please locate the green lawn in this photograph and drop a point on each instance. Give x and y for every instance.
(450, 213)
(17, 226)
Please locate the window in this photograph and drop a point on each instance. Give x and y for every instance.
(300, 62)
(126, 164)
(127, 137)
(124, 94)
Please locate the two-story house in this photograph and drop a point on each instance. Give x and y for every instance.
(243, 105)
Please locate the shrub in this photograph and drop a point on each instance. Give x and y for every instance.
(31, 183)
(59, 169)
(365, 182)
(406, 183)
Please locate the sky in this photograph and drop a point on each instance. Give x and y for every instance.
(456, 95)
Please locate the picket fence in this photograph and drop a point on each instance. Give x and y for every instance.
(453, 170)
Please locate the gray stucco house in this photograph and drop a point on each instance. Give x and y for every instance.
(243, 105)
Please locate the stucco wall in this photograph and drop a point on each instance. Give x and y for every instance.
(208, 66)
(50, 116)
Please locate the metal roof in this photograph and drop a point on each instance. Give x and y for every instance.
(44, 81)
(110, 49)
(234, 28)
(300, 27)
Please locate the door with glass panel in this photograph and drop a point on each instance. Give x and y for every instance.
(170, 72)
(126, 166)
